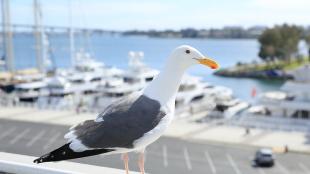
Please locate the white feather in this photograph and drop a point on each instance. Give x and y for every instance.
(99, 119)
(77, 146)
(70, 136)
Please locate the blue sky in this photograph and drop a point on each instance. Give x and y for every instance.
(165, 14)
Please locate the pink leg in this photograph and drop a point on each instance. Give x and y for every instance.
(125, 158)
(141, 162)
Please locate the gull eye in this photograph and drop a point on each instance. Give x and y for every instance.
(187, 51)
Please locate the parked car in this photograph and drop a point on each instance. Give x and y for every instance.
(264, 157)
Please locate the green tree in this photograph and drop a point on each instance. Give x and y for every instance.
(269, 42)
(280, 42)
(307, 39)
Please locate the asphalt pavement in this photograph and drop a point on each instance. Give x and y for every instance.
(167, 155)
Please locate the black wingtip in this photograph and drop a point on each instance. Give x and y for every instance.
(38, 160)
(42, 159)
(65, 153)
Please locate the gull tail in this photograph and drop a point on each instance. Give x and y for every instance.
(65, 153)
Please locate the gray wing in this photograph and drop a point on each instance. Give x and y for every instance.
(121, 123)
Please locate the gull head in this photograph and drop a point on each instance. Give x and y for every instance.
(186, 56)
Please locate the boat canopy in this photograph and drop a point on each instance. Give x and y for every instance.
(58, 81)
(32, 85)
(275, 95)
(296, 87)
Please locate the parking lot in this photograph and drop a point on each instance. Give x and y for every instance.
(167, 155)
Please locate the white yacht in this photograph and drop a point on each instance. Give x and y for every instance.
(85, 83)
(227, 109)
(191, 90)
(137, 69)
(113, 89)
(225, 106)
(9, 80)
(133, 79)
(59, 87)
(219, 93)
(72, 84)
(31, 91)
(6, 85)
(118, 87)
(84, 63)
(85, 77)
(28, 85)
(293, 100)
(27, 76)
(288, 108)
(61, 94)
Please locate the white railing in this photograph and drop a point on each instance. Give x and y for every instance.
(273, 123)
(294, 104)
(18, 168)
(21, 164)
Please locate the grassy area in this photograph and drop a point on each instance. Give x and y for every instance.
(280, 65)
(256, 69)
(295, 64)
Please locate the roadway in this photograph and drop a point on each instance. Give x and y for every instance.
(167, 155)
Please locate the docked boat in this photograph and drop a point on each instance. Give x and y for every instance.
(30, 92)
(287, 109)
(85, 77)
(133, 79)
(61, 94)
(227, 109)
(84, 83)
(59, 87)
(118, 87)
(219, 93)
(85, 63)
(138, 70)
(293, 100)
(6, 85)
(9, 80)
(191, 90)
(113, 89)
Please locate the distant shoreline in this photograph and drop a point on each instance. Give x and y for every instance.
(146, 36)
(225, 33)
(233, 32)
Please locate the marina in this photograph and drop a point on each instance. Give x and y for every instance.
(92, 85)
(88, 84)
(126, 87)
(84, 79)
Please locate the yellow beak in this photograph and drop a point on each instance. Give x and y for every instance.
(208, 62)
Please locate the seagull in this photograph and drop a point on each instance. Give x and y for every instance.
(135, 121)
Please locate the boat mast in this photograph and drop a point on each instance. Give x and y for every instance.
(39, 36)
(71, 35)
(7, 36)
